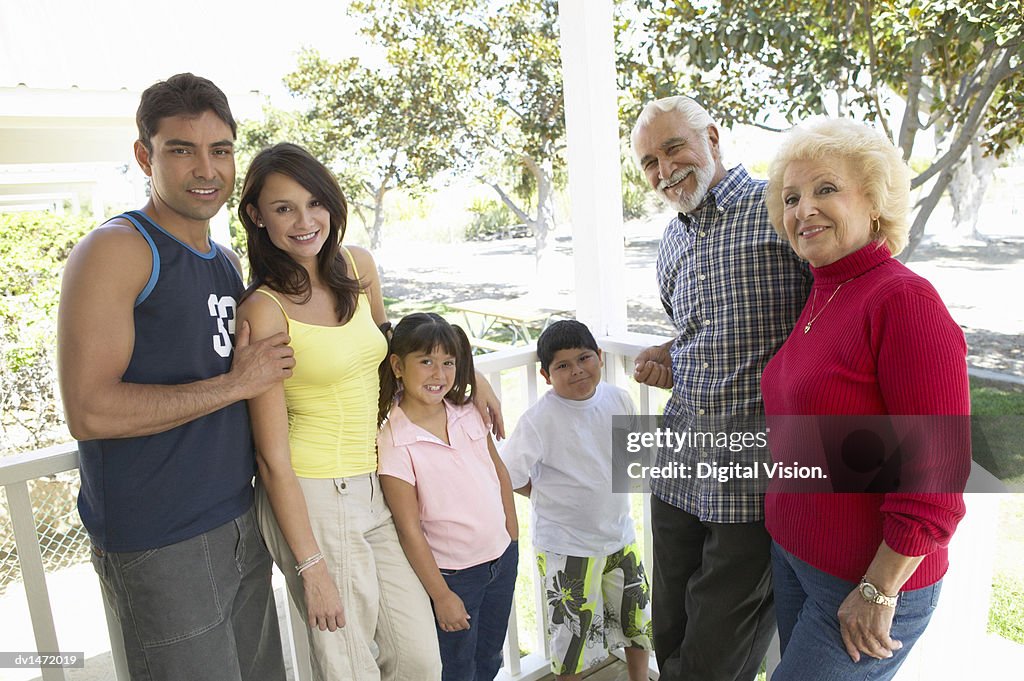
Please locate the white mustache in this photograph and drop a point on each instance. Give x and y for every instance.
(676, 177)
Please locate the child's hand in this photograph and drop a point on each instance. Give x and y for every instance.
(323, 603)
(451, 612)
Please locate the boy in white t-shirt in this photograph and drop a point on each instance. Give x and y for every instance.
(560, 456)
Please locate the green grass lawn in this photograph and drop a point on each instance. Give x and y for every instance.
(1000, 413)
(1006, 612)
(996, 427)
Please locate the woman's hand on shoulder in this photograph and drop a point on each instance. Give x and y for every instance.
(451, 612)
(324, 610)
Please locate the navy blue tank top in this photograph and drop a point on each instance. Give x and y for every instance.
(141, 493)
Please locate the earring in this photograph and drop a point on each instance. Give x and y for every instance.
(261, 225)
(877, 227)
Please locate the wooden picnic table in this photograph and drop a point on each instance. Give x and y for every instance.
(486, 316)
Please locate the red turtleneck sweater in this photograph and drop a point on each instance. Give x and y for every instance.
(884, 345)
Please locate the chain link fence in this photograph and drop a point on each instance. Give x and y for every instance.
(63, 540)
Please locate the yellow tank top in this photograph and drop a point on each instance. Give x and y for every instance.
(332, 393)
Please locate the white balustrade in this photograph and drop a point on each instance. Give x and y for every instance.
(966, 588)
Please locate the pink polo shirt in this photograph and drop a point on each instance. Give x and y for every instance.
(459, 495)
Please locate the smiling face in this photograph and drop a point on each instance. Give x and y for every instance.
(297, 222)
(681, 164)
(826, 214)
(191, 167)
(574, 373)
(426, 376)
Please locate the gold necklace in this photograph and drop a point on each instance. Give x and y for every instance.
(815, 299)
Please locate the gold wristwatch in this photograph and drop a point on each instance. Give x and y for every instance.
(870, 593)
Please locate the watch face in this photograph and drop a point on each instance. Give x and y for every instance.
(871, 594)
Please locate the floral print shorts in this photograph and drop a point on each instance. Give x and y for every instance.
(595, 604)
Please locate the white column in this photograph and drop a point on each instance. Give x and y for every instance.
(220, 227)
(595, 190)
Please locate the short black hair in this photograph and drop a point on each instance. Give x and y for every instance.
(183, 94)
(563, 335)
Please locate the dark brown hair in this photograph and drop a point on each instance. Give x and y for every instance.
(567, 334)
(183, 94)
(422, 332)
(268, 264)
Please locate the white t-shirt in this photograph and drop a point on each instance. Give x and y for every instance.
(565, 448)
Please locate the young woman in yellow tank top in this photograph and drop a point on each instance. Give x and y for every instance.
(318, 498)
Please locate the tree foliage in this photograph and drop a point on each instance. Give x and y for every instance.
(956, 66)
(376, 129)
(499, 67)
(33, 248)
(468, 86)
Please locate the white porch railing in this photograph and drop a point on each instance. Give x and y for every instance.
(959, 624)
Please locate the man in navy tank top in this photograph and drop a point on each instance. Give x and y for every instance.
(154, 377)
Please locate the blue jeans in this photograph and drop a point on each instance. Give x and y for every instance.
(198, 610)
(486, 590)
(806, 604)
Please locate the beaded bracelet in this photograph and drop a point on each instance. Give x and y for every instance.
(308, 563)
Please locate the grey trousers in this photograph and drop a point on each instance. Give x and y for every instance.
(198, 610)
(713, 612)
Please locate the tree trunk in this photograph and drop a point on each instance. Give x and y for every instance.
(967, 190)
(544, 221)
(378, 219)
(540, 224)
(925, 208)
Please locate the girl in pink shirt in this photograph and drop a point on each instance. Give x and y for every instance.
(449, 492)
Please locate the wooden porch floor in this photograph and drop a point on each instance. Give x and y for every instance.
(612, 670)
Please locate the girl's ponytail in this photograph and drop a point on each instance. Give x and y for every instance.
(465, 374)
(389, 386)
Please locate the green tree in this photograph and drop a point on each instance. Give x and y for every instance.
(376, 129)
(33, 248)
(955, 64)
(499, 67)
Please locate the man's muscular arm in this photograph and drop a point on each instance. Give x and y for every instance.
(96, 336)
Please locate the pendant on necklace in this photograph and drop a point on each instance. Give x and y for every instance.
(808, 327)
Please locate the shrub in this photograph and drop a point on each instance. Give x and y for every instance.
(491, 220)
(33, 248)
(636, 192)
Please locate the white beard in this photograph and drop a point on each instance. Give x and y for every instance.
(688, 201)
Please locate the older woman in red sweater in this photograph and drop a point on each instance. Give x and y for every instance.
(857, 576)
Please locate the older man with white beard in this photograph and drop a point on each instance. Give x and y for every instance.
(733, 289)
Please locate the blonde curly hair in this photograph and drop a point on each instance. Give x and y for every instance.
(883, 175)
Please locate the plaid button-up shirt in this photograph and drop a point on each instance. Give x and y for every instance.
(734, 290)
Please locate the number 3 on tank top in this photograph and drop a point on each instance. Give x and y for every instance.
(224, 310)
